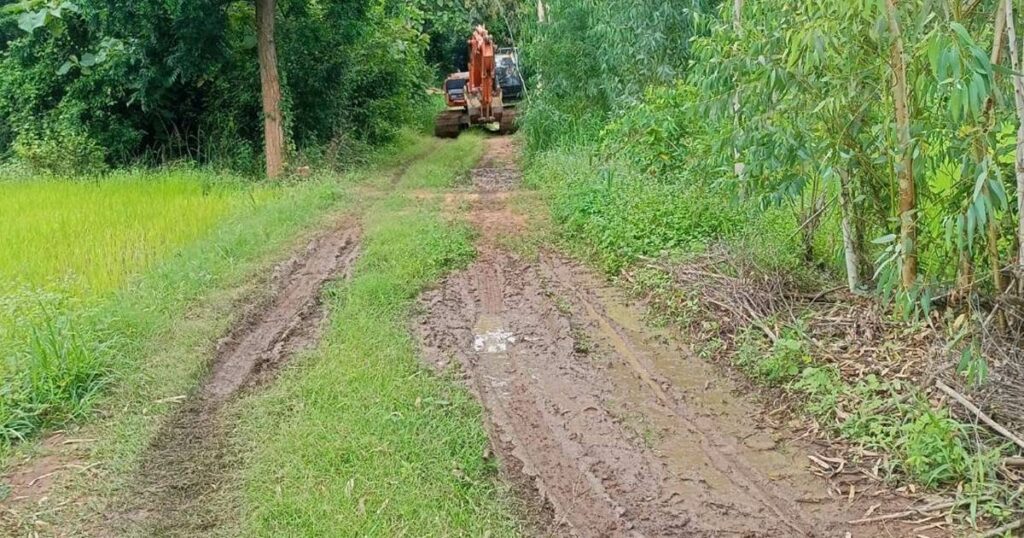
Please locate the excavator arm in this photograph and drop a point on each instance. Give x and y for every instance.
(481, 73)
(475, 97)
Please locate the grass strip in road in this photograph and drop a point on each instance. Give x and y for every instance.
(359, 438)
(447, 166)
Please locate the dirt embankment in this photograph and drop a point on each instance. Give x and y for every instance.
(612, 428)
(180, 479)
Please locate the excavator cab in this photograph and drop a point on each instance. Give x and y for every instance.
(476, 97)
(455, 89)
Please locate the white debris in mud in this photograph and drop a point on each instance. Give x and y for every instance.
(493, 341)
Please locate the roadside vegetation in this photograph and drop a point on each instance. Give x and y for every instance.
(782, 153)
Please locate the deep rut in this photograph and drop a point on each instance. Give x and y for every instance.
(618, 431)
(179, 483)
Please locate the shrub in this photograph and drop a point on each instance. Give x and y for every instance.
(623, 216)
(60, 152)
(933, 448)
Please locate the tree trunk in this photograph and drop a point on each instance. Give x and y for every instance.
(996, 266)
(273, 135)
(541, 12)
(739, 167)
(853, 258)
(1018, 94)
(908, 196)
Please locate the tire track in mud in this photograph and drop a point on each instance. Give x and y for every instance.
(609, 427)
(178, 489)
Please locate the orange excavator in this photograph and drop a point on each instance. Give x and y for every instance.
(478, 96)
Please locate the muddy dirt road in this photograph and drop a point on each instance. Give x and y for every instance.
(185, 468)
(613, 429)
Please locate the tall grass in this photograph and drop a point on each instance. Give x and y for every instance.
(67, 248)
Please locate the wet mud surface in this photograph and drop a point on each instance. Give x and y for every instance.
(608, 427)
(182, 474)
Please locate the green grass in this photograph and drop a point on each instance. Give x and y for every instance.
(358, 438)
(448, 165)
(93, 268)
(82, 260)
(165, 323)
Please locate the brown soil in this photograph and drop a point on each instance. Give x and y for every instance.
(180, 478)
(611, 428)
(30, 481)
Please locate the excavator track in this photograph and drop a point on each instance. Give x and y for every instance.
(448, 124)
(508, 122)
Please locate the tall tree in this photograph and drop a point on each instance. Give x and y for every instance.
(995, 264)
(905, 168)
(1018, 93)
(273, 123)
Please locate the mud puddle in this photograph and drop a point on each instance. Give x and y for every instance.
(611, 428)
(180, 479)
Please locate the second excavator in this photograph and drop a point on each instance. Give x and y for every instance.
(485, 94)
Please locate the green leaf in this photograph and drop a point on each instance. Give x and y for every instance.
(981, 209)
(934, 50)
(997, 188)
(32, 20)
(963, 34)
(65, 68)
(88, 60)
(885, 239)
(955, 105)
(972, 220)
(961, 224)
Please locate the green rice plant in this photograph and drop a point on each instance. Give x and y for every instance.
(89, 236)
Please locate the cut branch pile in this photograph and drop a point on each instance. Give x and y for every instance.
(851, 332)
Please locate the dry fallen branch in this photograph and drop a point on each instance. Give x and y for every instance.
(1000, 531)
(898, 515)
(979, 413)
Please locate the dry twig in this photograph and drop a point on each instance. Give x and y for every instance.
(979, 413)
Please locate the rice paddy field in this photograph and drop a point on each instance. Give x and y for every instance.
(69, 248)
(87, 237)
